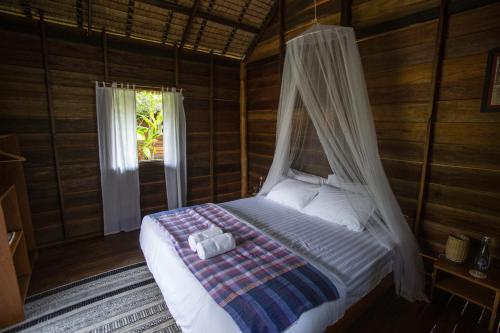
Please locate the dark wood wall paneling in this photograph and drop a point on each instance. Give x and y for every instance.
(74, 61)
(463, 188)
(263, 90)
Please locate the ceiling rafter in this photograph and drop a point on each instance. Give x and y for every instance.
(168, 24)
(26, 8)
(189, 23)
(233, 31)
(230, 29)
(203, 24)
(270, 15)
(130, 17)
(79, 13)
(201, 14)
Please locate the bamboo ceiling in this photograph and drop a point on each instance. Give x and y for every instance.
(227, 27)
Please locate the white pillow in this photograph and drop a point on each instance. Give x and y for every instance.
(336, 181)
(335, 205)
(293, 193)
(306, 177)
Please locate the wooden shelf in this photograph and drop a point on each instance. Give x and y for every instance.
(10, 158)
(15, 266)
(492, 280)
(467, 290)
(456, 280)
(15, 242)
(16, 257)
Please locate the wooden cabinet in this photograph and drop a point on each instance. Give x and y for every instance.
(15, 266)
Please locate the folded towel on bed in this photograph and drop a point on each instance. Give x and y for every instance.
(216, 245)
(200, 236)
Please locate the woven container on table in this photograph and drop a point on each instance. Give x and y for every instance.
(457, 248)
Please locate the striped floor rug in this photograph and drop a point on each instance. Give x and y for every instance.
(122, 300)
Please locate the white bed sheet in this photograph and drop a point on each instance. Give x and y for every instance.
(339, 257)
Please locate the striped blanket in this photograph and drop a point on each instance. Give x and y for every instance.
(262, 285)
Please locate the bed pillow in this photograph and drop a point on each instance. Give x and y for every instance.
(336, 181)
(348, 209)
(293, 193)
(306, 177)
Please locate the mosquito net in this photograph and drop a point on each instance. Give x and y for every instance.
(325, 127)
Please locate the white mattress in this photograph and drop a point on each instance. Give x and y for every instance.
(355, 262)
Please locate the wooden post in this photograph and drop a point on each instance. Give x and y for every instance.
(346, 13)
(89, 17)
(211, 125)
(176, 65)
(281, 16)
(436, 78)
(105, 54)
(243, 129)
(50, 109)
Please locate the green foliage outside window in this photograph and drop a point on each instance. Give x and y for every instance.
(149, 124)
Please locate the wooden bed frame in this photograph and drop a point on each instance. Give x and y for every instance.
(361, 306)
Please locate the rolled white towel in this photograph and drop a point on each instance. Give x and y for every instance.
(199, 236)
(216, 245)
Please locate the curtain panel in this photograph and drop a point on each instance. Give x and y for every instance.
(116, 124)
(174, 148)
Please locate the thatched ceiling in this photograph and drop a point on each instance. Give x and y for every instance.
(226, 27)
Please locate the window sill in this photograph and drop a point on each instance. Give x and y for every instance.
(151, 162)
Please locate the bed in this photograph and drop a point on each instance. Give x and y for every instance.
(355, 261)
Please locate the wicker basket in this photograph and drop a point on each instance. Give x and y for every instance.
(457, 248)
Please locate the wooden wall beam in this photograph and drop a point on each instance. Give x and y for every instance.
(189, 23)
(130, 17)
(105, 54)
(89, 17)
(79, 13)
(204, 15)
(176, 65)
(52, 123)
(346, 13)
(243, 129)
(282, 47)
(454, 7)
(433, 101)
(211, 126)
(26, 8)
(272, 13)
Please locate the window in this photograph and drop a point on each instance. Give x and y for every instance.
(149, 116)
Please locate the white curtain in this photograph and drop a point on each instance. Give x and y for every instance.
(323, 85)
(116, 124)
(174, 148)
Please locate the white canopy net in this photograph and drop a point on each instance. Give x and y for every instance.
(324, 115)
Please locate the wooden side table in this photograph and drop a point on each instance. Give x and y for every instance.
(456, 280)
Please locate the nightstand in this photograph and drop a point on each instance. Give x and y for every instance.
(455, 279)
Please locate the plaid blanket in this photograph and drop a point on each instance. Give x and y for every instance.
(261, 284)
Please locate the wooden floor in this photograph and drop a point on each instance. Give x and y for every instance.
(64, 264)
(391, 314)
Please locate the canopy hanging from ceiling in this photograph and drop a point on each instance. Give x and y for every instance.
(324, 115)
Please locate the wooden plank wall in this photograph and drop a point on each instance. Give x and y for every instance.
(74, 60)
(464, 186)
(464, 175)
